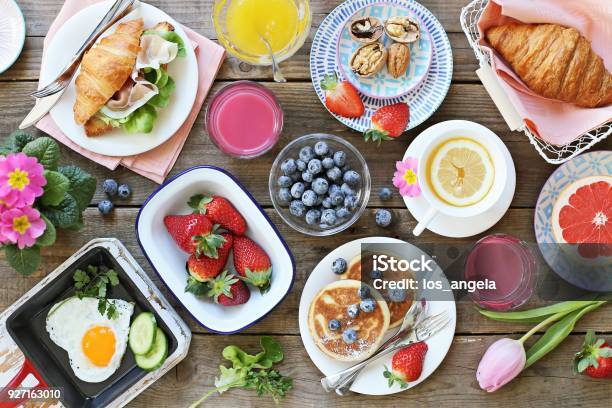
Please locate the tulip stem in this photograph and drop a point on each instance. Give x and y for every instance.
(541, 325)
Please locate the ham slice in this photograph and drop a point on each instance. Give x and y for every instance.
(155, 51)
(133, 94)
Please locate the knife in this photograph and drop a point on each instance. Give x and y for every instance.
(42, 107)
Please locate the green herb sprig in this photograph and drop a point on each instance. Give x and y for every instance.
(252, 372)
(92, 282)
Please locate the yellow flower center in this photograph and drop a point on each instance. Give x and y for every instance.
(21, 224)
(410, 177)
(18, 179)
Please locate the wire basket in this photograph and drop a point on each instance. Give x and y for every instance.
(551, 153)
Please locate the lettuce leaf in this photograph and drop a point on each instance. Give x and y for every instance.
(162, 99)
(142, 120)
(172, 37)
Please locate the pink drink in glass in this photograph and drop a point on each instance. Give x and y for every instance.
(244, 119)
(508, 262)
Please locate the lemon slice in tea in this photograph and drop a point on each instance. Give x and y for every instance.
(461, 172)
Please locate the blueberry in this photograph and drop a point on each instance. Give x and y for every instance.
(307, 176)
(337, 198)
(321, 148)
(306, 154)
(110, 187)
(284, 181)
(328, 216)
(352, 311)
(352, 178)
(334, 174)
(347, 190)
(313, 216)
(339, 266)
(315, 166)
(288, 167)
(368, 305)
(339, 158)
(297, 190)
(333, 188)
(105, 207)
(351, 202)
(296, 177)
(364, 292)
(396, 295)
(297, 208)
(327, 202)
(320, 185)
(385, 193)
(124, 191)
(383, 218)
(327, 163)
(284, 196)
(300, 164)
(376, 274)
(343, 212)
(333, 325)
(349, 336)
(309, 198)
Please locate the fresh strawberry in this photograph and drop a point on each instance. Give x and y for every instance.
(407, 364)
(595, 358)
(342, 98)
(194, 233)
(228, 290)
(203, 268)
(252, 263)
(219, 211)
(388, 123)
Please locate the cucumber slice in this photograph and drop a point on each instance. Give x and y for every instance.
(142, 333)
(156, 357)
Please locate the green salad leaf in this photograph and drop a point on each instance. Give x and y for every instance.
(142, 120)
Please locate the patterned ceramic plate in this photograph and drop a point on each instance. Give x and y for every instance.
(383, 85)
(12, 33)
(589, 164)
(423, 100)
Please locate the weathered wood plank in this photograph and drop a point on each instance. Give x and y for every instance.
(308, 250)
(549, 383)
(464, 101)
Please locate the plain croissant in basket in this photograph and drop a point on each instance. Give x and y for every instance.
(554, 62)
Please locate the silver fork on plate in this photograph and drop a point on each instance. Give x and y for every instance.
(421, 332)
(117, 11)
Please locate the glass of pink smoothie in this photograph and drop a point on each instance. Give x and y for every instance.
(244, 119)
(508, 262)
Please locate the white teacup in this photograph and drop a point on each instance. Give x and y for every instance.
(452, 129)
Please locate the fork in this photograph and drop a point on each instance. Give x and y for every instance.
(423, 331)
(118, 10)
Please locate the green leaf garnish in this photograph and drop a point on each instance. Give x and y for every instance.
(92, 282)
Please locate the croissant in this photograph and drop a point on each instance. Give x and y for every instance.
(105, 68)
(554, 62)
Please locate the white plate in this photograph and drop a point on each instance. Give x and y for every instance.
(453, 227)
(12, 33)
(371, 380)
(169, 261)
(118, 143)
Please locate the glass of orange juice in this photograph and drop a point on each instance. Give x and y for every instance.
(242, 26)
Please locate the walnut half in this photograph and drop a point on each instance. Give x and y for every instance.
(399, 58)
(369, 59)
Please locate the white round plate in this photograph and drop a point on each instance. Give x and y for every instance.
(453, 227)
(371, 380)
(12, 33)
(184, 71)
(383, 84)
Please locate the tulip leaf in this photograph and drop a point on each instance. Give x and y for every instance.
(538, 314)
(557, 333)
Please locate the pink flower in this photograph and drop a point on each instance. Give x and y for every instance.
(503, 361)
(405, 177)
(21, 180)
(21, 226)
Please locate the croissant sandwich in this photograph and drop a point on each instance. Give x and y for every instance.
(554, 62)
(124, 79)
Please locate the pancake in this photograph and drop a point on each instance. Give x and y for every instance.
(397, 310)
(332, 303)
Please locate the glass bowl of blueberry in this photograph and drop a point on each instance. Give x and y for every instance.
(319, 184)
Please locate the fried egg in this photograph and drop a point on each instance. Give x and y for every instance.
(95, 344)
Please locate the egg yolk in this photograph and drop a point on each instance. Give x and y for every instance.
(98, 345)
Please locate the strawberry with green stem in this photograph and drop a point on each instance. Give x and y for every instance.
(595, 358)
(205, 269)
(388, 123)
(228, 290)
(406, 365)
(252, 263)
(219, 210)
(341, 97)
(194, 234)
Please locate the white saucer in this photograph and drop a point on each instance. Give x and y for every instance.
(12, 33)
(371, 380)
(454, 227)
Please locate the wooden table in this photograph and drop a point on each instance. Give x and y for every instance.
(549, 383)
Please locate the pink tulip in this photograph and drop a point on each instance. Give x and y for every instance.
(503, 361)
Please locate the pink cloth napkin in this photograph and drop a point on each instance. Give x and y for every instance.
(558, 123)
(157, 163)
